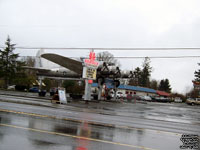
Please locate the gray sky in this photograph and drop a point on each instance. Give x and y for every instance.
(110, 23)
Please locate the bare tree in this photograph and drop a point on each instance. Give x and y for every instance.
(30, 61)
(108, 58)
(154, 84)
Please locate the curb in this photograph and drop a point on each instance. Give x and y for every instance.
(26, 96)
(27, 103)
(45, 98)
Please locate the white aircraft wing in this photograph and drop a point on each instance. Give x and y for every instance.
(68, 63)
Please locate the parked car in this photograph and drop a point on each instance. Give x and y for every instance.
(161, 99)
(136, 97)
(178, 100)
(21, 88)
(118, 94)
(191, 101)
(42, 92)
(11, 87)
(34, 89)
(53, 91)
(146, 98)
(165, 100)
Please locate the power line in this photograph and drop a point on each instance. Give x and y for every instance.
(115, 49)
(138, 57)
(155, 57)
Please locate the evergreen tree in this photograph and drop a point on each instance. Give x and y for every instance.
(9, 65)
(146, 73)
(141, 77)
(197, 74)
(165, 86)
(136, 77)
(161, 85)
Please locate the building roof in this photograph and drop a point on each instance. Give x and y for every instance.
(129, 87)
(162, 93)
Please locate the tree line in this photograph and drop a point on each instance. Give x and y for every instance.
(12, 72)
(142, 77)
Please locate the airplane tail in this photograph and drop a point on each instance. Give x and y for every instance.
(38, 60)
(44, 63)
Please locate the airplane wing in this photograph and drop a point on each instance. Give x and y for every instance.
(36, 69)
(68, 63)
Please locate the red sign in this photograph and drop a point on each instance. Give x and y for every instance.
(91, 61)
(92, 56)
(90, 81)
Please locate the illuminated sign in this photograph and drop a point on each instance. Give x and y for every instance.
(89, 71)
(91, 61)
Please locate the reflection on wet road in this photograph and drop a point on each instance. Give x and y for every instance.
(25, 132)
(33, 123)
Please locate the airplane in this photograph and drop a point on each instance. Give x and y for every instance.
(72, 69)
(75, 69)
(55, 73)
(48, 69)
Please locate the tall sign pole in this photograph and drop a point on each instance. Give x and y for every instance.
(196, 85)
(89, 73)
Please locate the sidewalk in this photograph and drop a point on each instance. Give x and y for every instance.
(24, 94)
(47, 96)
(36, 100)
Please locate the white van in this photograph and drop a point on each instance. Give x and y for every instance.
(118, 94)
(178, 100)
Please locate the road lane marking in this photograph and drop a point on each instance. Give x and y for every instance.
(89, 122)
(77, 137)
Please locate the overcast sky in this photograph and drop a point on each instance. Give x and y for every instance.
(110, 23)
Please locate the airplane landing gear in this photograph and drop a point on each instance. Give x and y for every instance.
(116, 85)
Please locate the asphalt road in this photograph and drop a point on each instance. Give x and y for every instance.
(104, 126)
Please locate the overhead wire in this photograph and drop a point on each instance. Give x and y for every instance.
(117, 49)
(137, 57)
(113, 49)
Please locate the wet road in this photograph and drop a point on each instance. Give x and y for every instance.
(78, 126)
(22, 132)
